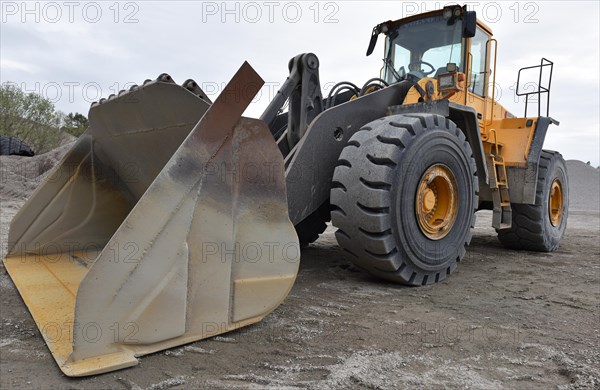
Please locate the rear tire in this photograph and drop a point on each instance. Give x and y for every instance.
(374, 198)
(539, 227)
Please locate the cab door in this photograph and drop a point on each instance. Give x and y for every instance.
(478, 74)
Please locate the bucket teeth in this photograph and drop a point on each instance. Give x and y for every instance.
(189, 85)
(165, 77)
(194, 88)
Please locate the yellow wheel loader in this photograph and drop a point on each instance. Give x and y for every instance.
(174, 219)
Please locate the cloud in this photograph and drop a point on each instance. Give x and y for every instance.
(10, 65)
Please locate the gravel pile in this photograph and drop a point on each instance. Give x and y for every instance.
(19, 176)
(584, 186)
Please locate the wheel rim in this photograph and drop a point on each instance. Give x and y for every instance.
(555, 204)
(437, 201)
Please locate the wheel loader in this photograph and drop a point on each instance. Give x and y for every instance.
(174, 218)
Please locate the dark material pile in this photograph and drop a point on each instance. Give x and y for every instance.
(11, 146)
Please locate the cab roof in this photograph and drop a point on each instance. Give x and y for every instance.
(437, 12)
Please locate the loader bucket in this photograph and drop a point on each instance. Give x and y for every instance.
(166, 223)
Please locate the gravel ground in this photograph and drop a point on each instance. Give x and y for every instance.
(504, 319)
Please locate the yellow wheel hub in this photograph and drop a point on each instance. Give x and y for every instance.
(437, 201)
(555, 204)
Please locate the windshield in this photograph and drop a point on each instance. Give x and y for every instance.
(423, 48)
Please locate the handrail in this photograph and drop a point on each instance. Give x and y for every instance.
(544, 62)
(495, 144)
(494, 77)
(468, 75)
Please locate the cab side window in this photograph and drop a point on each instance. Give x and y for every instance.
(478, 70)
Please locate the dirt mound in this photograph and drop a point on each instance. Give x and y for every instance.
(584, 186)
(21, 175)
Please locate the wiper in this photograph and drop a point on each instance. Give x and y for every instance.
(389, 63)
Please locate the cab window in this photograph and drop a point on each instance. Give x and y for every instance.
(477, 81)
(423, 48)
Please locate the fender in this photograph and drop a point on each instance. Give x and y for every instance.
(522, 181)
(465, 118)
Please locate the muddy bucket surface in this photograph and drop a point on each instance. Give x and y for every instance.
(166, 223)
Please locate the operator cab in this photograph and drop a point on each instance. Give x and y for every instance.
(423, 48)
(425, 45)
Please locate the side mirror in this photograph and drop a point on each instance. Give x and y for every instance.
(380, 28)
(373, 41)
(469, 24)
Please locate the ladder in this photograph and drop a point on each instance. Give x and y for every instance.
(502, 218)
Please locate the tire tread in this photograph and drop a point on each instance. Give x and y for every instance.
(365, 230)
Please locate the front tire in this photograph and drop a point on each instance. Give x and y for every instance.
(541, 226)
(404, 196)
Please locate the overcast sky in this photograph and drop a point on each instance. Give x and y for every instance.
(76, 52)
